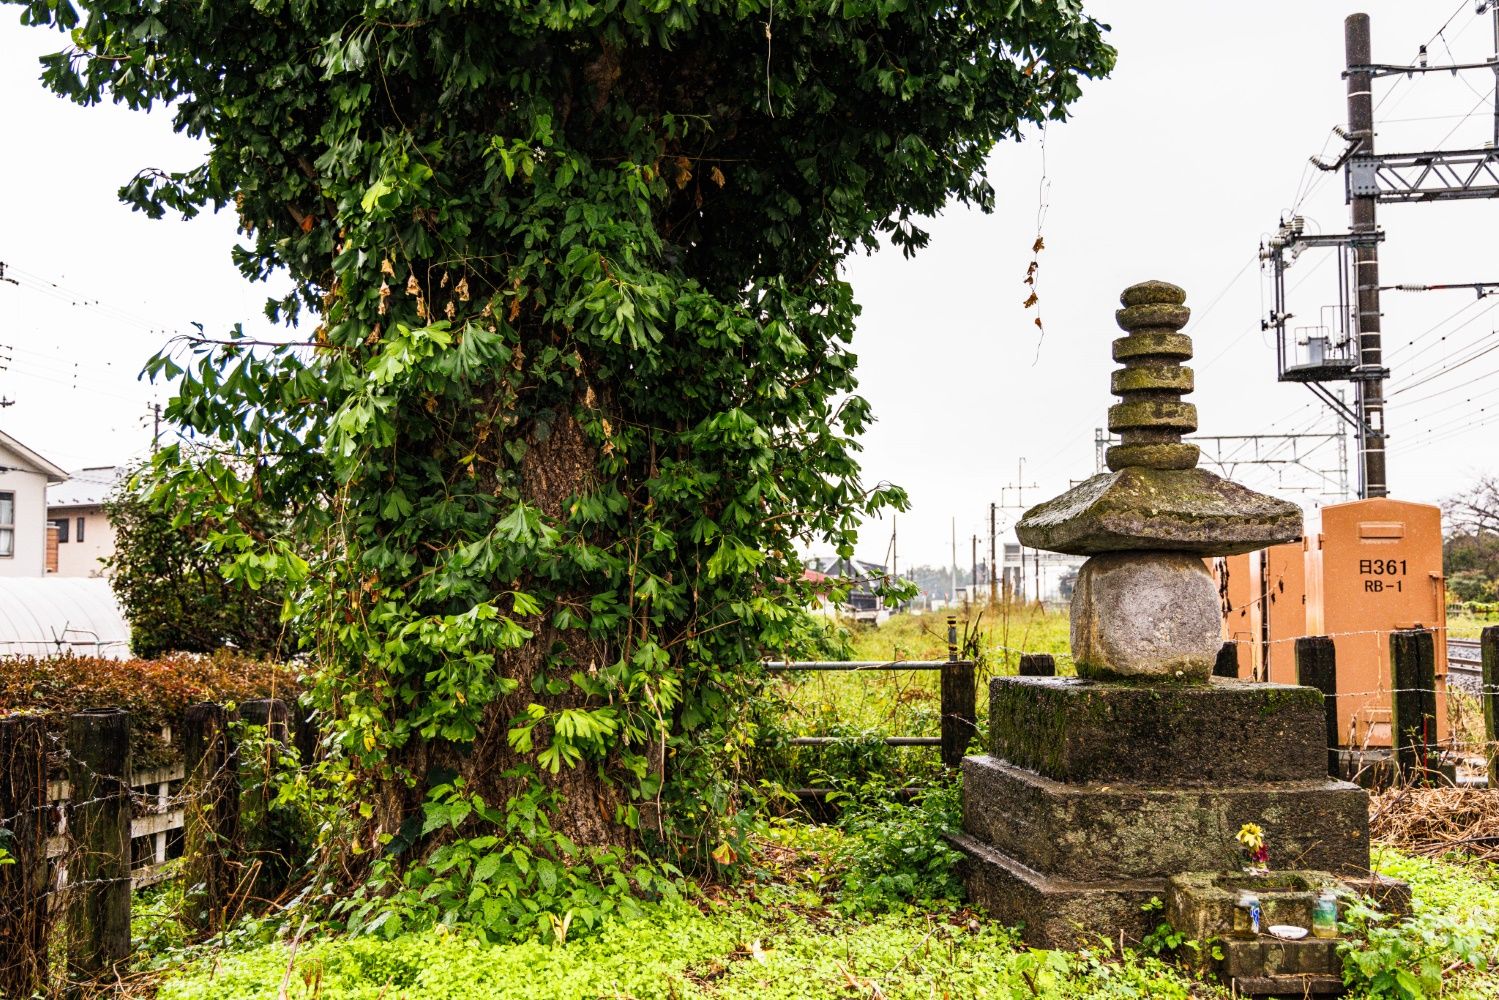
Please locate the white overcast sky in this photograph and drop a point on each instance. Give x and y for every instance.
(1173, 168)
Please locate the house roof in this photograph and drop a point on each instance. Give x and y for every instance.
(37, 463)
(86, 487)
(42, 616)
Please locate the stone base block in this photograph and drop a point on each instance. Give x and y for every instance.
(1097, 831)
(1226, 731)
(1051, 912)
(1268, 966)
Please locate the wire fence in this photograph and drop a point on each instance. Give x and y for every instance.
(82, 831)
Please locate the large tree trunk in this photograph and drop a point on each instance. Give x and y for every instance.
(553, 470)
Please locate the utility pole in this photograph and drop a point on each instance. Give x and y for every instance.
(993, 581)
(1018, 487)
(1370, 399)
(894, 554)
(952, 584)
(973, 582)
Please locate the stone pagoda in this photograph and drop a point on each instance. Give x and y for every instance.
(1100, 789)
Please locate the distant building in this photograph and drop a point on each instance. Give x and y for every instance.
(1032, 575)
(24, 479)
(85, 538)
(864, 603)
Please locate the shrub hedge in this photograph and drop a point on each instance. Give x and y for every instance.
(155, 691)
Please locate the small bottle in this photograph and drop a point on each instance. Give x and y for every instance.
(1247, 914)
(1325, 915)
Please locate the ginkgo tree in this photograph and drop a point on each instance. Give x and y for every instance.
(572, 383)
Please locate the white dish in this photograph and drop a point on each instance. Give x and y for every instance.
(1289, 932)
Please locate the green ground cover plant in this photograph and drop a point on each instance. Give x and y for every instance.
(786, 932)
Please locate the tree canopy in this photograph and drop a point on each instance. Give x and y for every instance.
(578, 382)
(173, 590)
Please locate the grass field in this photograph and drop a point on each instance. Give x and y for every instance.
(777, 935)
(1468, 626)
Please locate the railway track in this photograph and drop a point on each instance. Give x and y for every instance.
(1464, 664)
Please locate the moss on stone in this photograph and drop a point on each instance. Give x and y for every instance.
(1151, 377)
(1153, 344)
(1140, 509)
(1164, 414)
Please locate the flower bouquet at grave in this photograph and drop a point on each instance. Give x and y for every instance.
(1251, 837)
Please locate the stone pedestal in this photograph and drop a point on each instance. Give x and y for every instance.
(1095, 794)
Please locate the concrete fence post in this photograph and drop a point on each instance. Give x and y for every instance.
(1037, 665)
(1227, 663)
(1414, 701)
(1317, 667)
(1489, 645)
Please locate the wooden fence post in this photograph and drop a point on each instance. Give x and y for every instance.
(210, 830)
(1037, 665)
(1316, 666)
(23, 835)
(1227, 663)
(270, 714)
(305, 733)
(1414, 701)
(1489, 645)
(99, 818)
(959, 701)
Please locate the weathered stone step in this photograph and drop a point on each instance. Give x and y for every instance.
(1060, 913)
(1112, 830)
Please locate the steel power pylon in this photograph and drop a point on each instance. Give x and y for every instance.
(1350, 348)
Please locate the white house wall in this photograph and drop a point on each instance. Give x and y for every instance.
(30, 488)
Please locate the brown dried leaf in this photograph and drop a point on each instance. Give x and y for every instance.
(684, 171)
(413, 287)
(1034, 298)
(716, 176)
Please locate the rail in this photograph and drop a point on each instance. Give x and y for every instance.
(959, 701)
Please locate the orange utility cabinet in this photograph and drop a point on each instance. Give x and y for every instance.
(1381, 570)
(1283, 602)
(1238, 590)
